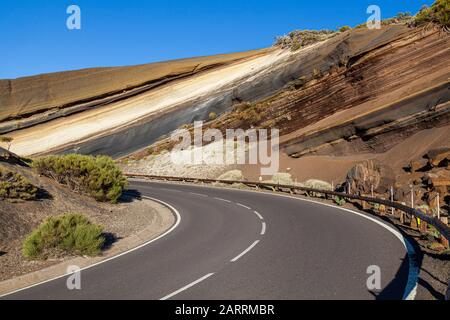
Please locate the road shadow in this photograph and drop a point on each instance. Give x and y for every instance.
(396, 288)
(43, 194)
(110, 239)
(130, 195)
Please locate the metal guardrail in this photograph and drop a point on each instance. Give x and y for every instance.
(442, 228)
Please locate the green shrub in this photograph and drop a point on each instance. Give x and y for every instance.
(71, 234)
(212, 116)
(96, 176)
(339, 201)
(345, 28)
(438, 13)
(15, 186)
(298, 39)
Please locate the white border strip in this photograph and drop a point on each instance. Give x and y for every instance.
(177, 222)
(259, 215)
(245, 251)
(243, 206)
(224, 200)
(263, 230)
(187, 287)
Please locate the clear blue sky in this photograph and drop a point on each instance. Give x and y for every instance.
(34, 38)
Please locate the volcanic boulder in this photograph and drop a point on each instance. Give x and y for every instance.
(438, 157)
(370, 173)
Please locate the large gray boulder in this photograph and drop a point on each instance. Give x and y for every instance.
(370, 173)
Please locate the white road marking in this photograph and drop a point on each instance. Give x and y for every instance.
(263, 231)
(259, 216)
(220, 199)
(244, 206)
(187, 287)
(173, 190)
(199, 194)
(178, 220)
(245, 251)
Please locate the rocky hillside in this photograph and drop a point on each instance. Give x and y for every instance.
(338, 98)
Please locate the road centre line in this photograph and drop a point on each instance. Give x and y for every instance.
(220, 199)
(244, 206)
(245, 251)
(187, 287)
(199, 194)
(259, 215)
(263, 230)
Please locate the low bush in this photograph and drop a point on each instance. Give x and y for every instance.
(68, 234)
(298, 39)
(438, 13)
(15, 186)
(95, 176)
(345, 28)
(212, 116)
(339, 201)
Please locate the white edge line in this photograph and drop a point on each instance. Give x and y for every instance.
(259, 215)
(242, 205)
(186, 287)
(178, 220)
(245, 251)
(263, 230)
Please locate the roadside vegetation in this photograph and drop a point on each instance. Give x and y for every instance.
(298, 39)
(345, 28)
(68, 234)
(438, 13)
(14, 186)
(212, 116)
(98, 177)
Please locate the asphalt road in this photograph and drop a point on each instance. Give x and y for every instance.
(233, 244)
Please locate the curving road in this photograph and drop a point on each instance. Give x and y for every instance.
(233, 244)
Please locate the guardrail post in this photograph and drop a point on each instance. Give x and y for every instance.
(438, 207)
(402, 218)
(392, 199)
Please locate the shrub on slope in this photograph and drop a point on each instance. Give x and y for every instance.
(96, 176)
(15, 186)
(70, 234)
(438, 13)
